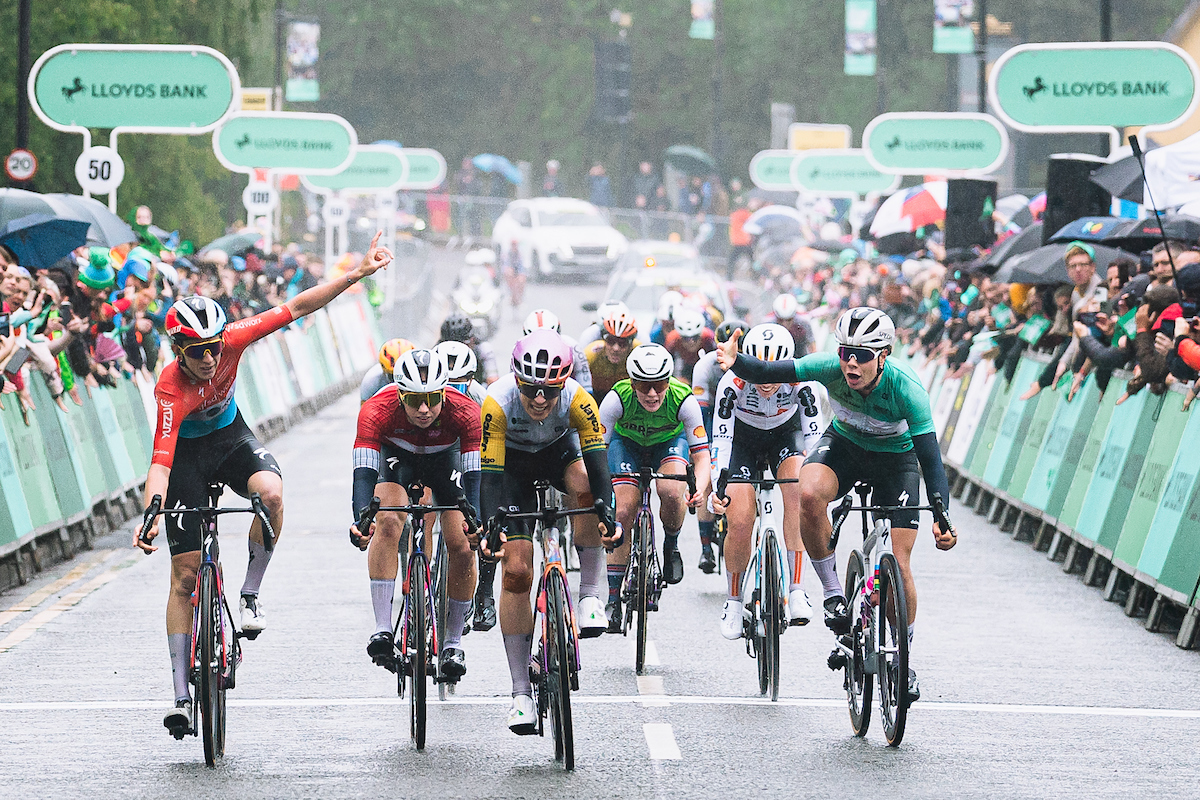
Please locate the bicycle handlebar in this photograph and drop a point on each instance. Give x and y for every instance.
(646, 475)
(257, 508)
(936, 507)
(548, 516)
(367, 517)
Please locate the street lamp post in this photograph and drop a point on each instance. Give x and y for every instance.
(981, 55)
(24, 23)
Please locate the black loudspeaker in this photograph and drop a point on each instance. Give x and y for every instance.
(1070, 194)
(614, 66)
(969, 207)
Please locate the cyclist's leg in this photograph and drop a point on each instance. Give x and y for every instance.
(461, 560)
(590, 614)
(896, 481)
(516, 615)
(621, 458)
(827, 474)
(249, 468)
(673, 459)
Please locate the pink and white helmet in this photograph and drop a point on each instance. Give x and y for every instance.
(542, 358)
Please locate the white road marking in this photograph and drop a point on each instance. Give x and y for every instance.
(697, 700)
(652, 655)
(660, 738)
(35, 599)
(24, 631)
(650, 688)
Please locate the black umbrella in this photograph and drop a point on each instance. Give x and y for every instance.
(1121, 179)
(38, 240)
(691, 160)
(1020, 242)
(1142, 234)
(1047, 265)
(108, 230)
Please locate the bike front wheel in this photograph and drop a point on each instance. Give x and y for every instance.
(211, 686)
(858, 681)
(642, 583)
(772, 616)
(560, 663)
(893, 650)
(416, 651)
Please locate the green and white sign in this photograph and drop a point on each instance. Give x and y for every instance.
(426, 168)
(835, 173)
(935, 143)
(1093, 86)
(133, 88)
(382, 168)
(282, 141)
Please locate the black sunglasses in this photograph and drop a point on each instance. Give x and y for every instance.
(859, 354)
(533, 391)
(198, 351)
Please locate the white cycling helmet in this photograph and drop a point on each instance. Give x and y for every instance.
(194, 319)
(649, 362)
(865, 327)
(480, 256)
(409, 367)
(689, 322)
(785, 307)
(541, 318)
(667, 304)
(769, 342)
(619, 321)
(610, 307)
(460, 359)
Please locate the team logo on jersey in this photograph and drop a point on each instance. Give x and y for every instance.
(699, 432)
(697, 390)
(168, 419)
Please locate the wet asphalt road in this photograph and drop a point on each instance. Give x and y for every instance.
(1032, 685)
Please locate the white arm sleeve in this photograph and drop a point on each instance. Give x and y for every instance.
(611, 410)
(722, 443)
(581, 371)
(693, 423)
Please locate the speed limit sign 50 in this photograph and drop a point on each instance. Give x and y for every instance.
(21, 165)
(99, 170)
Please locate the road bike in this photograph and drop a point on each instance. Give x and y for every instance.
(416, 636)
(766, 614)
(215, 654)
(876, 648)
(554, 667)
(643, 583)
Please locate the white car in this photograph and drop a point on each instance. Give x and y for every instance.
(642, 288)
(559, 236)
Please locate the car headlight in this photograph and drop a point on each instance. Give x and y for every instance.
(614, 250)
(565, 251)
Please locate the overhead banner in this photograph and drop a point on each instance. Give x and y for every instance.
(303, 52)
(285, 141)
(703, 24)
(952, 31)
(935, 143)
(860, 37)
(832, 173)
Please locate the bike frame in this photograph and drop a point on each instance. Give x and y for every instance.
(552, 557)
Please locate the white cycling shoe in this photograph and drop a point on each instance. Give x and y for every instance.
(800, 611)
(731, 619)
(591, 617)
(253, 617)
(522, 716)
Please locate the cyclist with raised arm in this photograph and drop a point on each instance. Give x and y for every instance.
(773, 423)
(417, 430)
(608, 356)
(201, 438)
(652, 420)
(540, 424)
(380, 375)
(545, 318)
(882, 433)
(705, 377)
(457, 327)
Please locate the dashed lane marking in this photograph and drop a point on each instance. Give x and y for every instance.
(660, 738)
(652, 655)
(38, 597)
(650, 688)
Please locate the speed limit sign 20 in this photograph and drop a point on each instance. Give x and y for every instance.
(99, 170)
(21, 165)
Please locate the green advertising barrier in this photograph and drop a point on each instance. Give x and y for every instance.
(946, 434)
(34, 472)
(1171, 554)
(1014, 424)
(62, 457)
(1121, 457)
(14, 508)
(99, 466)
(974, 409)
(981, 448)
(1038, 423)
(1067, 432)
(141, 423)
(1086, 467)
(1167, 435)
(948, 396)
(135, 447)
(111, 431)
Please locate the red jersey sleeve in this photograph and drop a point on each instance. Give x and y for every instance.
(244, 332)
(173, 407)
(375, 419)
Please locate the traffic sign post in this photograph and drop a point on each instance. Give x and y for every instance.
(935, 143)
(260, 199)
(336, 213)
(1094, 86)
(831, 173)
(300, 143)
(100, 170)
(21, 165)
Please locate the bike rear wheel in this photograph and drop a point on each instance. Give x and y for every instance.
(772, 614)
(560, 662)
(415, 649)
(893, 650)
(211, 688)
(858, 682)
(642, 584)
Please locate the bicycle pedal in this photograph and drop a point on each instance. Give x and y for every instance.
(837, 660)
(249, 635)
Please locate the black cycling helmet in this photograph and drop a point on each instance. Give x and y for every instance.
(725, 330)
(457, 327)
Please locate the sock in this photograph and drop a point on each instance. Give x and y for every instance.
(518, 647)
(255, 568)
(708, 534)
(735, 584)
(455, 617)
(616, 573)
(827, 571)
(910, 633)
(179, 645)
(487, 577)
(795, 560)
(670, 541)
(381, 600)
(592, 569)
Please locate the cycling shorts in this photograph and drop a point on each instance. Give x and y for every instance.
(895, 478)
(625, 455)
(435, 471)
(522, 470)
(229, 456)
(754, 447)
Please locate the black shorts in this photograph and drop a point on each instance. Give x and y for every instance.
(438, 472)
(754, 448)
(895, 478)
(522, 470)
(229, 456)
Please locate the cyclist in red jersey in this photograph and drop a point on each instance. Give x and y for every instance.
(201, 437)
(417, 429)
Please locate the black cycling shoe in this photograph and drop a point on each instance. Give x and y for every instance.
(837, 616)
(485, 614)
(452, 663)
(672, 567)
(612, 610)
(708, 561)
(179, 719)
(382, 650)
(914, 688)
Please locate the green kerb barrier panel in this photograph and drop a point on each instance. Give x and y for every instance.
(946, 436)
(32, 468)
(1014, 425)
(137, 450)
(1171, 554)
(1038, 424)
(111, 430)
(985, 434)
(1056, 461)
(974, 410)
(1102, 413)
(14, 509)
(99, 468)
(62, 457)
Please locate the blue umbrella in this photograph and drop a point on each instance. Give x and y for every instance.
(487, 162)
(39, 240)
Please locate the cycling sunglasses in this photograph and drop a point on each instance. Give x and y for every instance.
(646, 386)
(415, 400)
(860, 354)
(200, 349)
(533, 391)
(610, 339)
